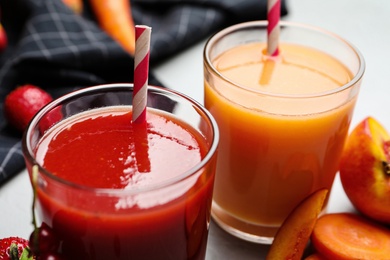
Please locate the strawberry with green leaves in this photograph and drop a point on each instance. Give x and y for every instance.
(42, 244)
(14, 248)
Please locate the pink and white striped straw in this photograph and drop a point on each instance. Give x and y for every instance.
(273, 29)
(141, 72)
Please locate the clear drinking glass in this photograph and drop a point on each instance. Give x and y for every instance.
(280, 144)
(164, 220)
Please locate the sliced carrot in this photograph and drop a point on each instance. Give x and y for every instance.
(116, 19)
(350, 236)
(292, 237)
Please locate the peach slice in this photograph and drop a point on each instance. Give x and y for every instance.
(292, 237)
(365, 169)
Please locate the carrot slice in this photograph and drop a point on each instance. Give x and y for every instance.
(116, 19)
(350, 236)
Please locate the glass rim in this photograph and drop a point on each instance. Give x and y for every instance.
(204, 113)
(263, 24)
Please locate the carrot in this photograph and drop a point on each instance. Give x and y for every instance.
(116, 19)
(350, 236)
(75, 5)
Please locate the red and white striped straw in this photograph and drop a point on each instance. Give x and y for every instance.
(141, 72)
(273, 27)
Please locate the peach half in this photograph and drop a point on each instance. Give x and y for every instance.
(365, 169)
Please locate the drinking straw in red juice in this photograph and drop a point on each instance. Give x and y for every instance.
(141, 72)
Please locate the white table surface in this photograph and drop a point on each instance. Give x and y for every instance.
(365, 23)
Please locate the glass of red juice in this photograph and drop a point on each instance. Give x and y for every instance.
(110, 188)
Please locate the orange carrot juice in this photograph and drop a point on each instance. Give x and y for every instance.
(278, 142)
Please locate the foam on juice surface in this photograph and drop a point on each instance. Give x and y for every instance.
(297, 70)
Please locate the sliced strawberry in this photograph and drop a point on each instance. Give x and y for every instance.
(23, 103)
(5, 245)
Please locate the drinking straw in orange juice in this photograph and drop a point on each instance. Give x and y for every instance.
(273, 30)
(273, 16)
(281, 138)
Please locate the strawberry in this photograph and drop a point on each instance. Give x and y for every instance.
(3, 38)
(23, 103)
(42, 244)
(12, 248)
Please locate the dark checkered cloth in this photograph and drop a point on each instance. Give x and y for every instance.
(51, 47)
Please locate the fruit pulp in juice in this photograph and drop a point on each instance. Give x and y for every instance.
(103, 149)
(268, 162)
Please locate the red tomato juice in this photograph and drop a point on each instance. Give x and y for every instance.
(103, 149)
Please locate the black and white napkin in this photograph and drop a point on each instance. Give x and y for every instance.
(60, 51)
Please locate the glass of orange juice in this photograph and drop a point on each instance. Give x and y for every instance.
(283, 120)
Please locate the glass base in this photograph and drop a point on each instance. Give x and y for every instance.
(243, 230)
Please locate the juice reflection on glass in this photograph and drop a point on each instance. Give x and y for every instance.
(111, 189)
(283, 121)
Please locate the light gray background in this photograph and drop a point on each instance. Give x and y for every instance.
(365, 23)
